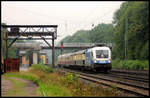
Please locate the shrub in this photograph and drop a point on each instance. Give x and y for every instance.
(116, 63)
(130, 64)
(42, 68)
(70, 78)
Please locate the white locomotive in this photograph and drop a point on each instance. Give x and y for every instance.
(96, 58)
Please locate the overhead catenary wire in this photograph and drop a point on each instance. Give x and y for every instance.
(107, 13)
(92, 23)
(47, 16)
(65, 22)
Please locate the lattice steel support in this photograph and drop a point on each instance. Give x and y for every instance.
(30, 30)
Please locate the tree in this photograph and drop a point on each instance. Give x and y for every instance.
(137, 14)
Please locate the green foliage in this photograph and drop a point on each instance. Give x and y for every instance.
(116, 64)
(131, 18)
(70, 78)
(12, 52)
(52, 90)
(100, 33)
(80, 36)
(27, 76)
(54, 84)
(137, 14)
(78, 88)
(144, 54)
(42, 68)
(44, 89)
(18, 87)
(130, 64)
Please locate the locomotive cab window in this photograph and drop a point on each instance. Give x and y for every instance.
(101, 53)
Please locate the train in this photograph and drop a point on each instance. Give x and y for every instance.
(96, 59)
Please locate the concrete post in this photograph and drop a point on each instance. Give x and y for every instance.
(35, 58)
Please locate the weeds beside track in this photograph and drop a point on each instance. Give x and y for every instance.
(107, 80)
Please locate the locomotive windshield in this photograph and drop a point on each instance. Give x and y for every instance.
(101, 53)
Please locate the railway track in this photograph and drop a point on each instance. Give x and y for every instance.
(134, 72)
(134, 86)
(130, 77)
(141, 76)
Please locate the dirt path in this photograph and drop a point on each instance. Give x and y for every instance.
(5, 86)
(18, 87)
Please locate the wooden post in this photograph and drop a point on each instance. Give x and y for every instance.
(6, 41)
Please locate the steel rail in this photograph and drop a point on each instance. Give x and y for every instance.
(130, 88)
(130, 77)
(131, 72)
(112, 80)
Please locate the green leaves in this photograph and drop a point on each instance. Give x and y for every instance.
(130, 64)
(137, 28)
(43, 68)
(99, 34)
(132, 21)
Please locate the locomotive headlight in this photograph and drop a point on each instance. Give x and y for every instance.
(109, 60)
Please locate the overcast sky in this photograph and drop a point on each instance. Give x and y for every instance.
(69, 16)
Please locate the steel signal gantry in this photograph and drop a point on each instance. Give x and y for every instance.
(31, 30)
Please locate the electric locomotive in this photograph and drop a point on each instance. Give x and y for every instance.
(96, 59)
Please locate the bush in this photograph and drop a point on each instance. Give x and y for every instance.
(42, 68)
(116, 63)
(130, 64)
(145, 65)
(70, 78)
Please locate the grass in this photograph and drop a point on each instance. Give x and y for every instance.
(18, 84)
(24, 75)
(49, 85)
(56, 84)
(17, 87)
(78, 88)
(40, 74)
(43, 68)
(54, 90)
(52, 83)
